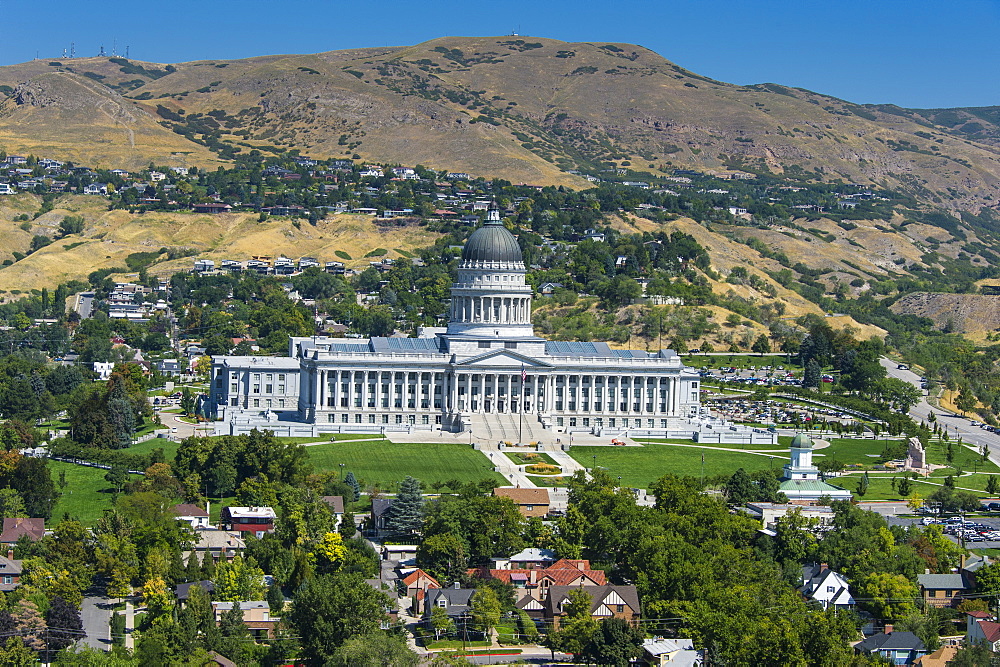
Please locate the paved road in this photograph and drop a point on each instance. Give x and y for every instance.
(956, 424)
(84, 304)
(96, 615)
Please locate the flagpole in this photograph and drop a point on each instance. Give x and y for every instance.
(520, 408)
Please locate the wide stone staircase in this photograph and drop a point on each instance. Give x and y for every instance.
(494, 427)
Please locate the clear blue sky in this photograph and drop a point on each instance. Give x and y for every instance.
(912, 53)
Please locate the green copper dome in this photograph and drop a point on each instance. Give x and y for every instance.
(802, 441)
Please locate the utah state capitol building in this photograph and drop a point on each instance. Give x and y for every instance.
(486, 372)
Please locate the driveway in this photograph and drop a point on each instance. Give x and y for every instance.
(96, 615)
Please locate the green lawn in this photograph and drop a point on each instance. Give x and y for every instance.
(168, 446)
(640, 466)
(385, 464)
(86, 495)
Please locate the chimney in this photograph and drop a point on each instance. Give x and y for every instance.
(533, 576)
(823, 567)
(10, 554)
(888, 628)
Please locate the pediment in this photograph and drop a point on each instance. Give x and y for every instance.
(504, 359)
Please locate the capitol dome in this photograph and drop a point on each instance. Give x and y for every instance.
(492, 243)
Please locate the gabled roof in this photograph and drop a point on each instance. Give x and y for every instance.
(187, 509)
(939, 581)
(336, 503)
(15, 527)
(524, 496)
(891, 641)
(600, 596)
(991, 630)
(183, 591)
(534, 555)
(417, 574)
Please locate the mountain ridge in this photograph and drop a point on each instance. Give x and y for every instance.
(523, 109)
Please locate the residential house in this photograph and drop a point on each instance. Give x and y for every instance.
(943, 590)
(454, 600)
(529, 558)
(256, 616)
(415, 586)
(530, 502)
(826, 586)
(232, 265)
(546, 289)
(336, 504)
(183, 591)
(6, 189)
(660, 652)
(194, 515)
(256, 520)
(769, 513)
(204, 265)
(981, 627)
(535, 582)
(96, 189)
(939, 658)
(17, 527)
(379, 507)
(900, 648)
(605, 602)
(220, 544)
(156, 176)
(168, 367)
(212, 207)
(306, 262)
(10, 572)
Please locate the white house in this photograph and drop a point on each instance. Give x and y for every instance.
(192, 514)
(6, 189)
(827, 587)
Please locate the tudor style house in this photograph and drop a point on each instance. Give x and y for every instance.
(486, 372)
(605, 602)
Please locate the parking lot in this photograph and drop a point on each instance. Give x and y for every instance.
(978, 532)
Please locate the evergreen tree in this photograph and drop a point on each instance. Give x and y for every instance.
(993, 485)
(208, 567)
(812, 375)
(192, 572)
(904, 487)
(347, 526)
(615, 643)
(121, 412)
(405, 515)
(352, 482)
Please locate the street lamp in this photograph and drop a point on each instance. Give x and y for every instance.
(595, 463)
(341, 472)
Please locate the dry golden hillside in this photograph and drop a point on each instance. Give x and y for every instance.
(110, 236)
(526, 110)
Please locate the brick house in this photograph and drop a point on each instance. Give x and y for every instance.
(16, 527)
(256, 616)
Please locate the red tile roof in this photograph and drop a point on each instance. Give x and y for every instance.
(15, 527)
(991, 629)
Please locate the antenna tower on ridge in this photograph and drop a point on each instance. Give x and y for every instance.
(101, 54)
(72, 49)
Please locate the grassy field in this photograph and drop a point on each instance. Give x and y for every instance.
(86, 496)
(386, 464)
(638, 467)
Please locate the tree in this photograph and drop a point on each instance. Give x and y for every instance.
(486, 610)
(966, 400)
(239, 580)
(811, 375)
(330, 609)
(993, 485)
(443, 557)
(352, 482)
(762, 345)
(64, 624)
(329, 554)
(740, 488)
(616, 643)
(15, 654)
(892, 595)
(972, 654)
(863, 485)
(904, 487)
(576, 628)
(30, 624)
(441, 622)
(405, 515)
(121, 412)
(118, 476)
(376, 649)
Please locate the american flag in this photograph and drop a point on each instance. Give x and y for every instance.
(524, 374)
